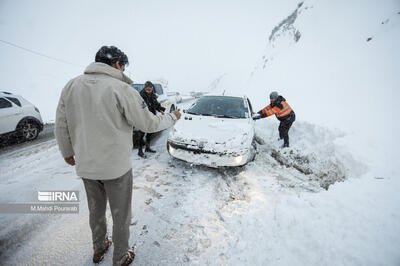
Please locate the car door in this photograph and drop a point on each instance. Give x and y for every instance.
(10, 115)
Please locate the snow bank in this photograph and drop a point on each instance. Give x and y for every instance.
(315, 159)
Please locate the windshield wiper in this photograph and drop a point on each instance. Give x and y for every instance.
(227, 116)
(193, 113)
(221, 116)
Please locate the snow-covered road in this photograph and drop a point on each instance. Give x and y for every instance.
(272, 211)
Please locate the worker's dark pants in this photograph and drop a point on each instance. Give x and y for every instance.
(284, 127)
(149, 137)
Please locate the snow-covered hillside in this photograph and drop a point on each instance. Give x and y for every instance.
(320, 59)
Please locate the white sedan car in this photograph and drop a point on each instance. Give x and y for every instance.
(215, 131)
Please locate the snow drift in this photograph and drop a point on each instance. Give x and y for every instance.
(315, 159)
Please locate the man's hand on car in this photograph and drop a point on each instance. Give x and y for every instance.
(70, 160)
(177, 113)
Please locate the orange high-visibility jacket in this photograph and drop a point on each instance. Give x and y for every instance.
(280, 110)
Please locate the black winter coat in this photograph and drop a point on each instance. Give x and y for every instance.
(151, 101)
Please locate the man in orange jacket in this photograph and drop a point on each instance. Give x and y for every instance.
(283, 112)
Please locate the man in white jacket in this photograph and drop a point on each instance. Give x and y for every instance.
(95, 117)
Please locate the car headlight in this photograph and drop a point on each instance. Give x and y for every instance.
(238, 159)
(171, 149)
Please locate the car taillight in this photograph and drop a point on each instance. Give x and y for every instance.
(37, 110)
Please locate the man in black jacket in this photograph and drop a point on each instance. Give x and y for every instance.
(150, 98)
(283, 112)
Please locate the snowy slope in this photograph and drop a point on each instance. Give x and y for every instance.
(332, 75)
(263, 213)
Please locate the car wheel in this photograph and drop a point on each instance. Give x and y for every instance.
(29, 130)
(172, 108)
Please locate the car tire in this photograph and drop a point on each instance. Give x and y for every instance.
(29, 130)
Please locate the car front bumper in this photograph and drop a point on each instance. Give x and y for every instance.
(207, 158)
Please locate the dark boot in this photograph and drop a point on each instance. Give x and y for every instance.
(285, 145)
(141, 154)
(97, 257)
(148, 149)
(130, 256)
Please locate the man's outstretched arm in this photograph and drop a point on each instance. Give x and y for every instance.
(134, 109)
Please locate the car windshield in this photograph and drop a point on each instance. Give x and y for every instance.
(219, 106)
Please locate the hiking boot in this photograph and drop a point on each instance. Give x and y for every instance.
(130, 256)
(141, 154)
(97, 257)
(148, 149)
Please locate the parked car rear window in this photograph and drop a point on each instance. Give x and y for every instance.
(4, 103)
(220, 106)
(138, 87)
(14, 100)
(157, 88)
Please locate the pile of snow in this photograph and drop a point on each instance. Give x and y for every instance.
(315, 158)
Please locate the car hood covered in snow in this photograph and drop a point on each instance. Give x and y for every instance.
(222, 135)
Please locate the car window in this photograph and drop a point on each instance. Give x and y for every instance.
(4, 103)
(14, 100)
(158, 89)
(220, 106)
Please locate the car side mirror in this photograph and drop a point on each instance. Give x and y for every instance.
(256, 116)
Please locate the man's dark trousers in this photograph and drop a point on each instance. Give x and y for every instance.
(119, 194)
(284, 127)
